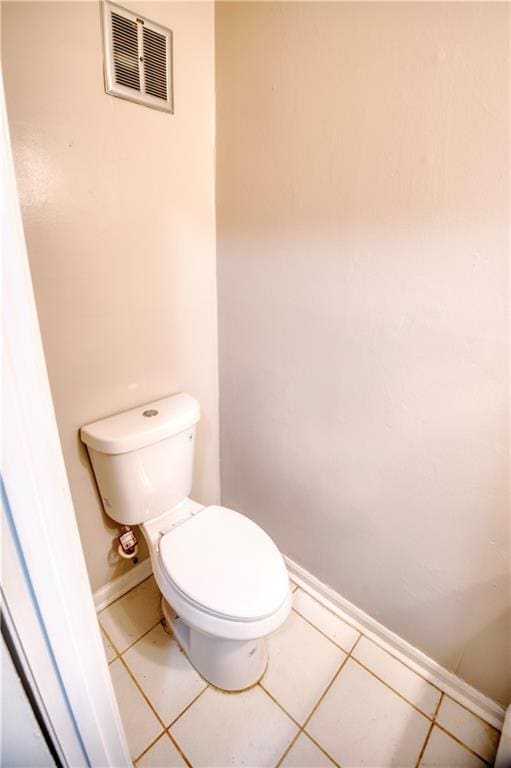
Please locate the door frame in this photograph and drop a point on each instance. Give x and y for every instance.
(48, 612)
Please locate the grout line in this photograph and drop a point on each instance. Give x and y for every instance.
(385, 649)
(322, 633)
(462, 744)
(356, 643)
(383, 682)
(471, 712)
(334, 678)
(322, 749)
(105, 633)
(437, 708)
(165, 728)
(134, 759)
(98, 613)
(142, 691)
(431, 719)
(300, 727)
(421, 753)
(176, 745)
(286, 751)
(174, 721)
(400, 661)
(382, 645)
(139, 638)
(342, 618)
(379, 680)
(347, 619)
(272, 697)
(430, 730)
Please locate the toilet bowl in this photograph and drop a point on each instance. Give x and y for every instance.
(223, 581)
(224, 586)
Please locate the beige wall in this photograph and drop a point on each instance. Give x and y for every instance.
(118, 207)
(362, 198)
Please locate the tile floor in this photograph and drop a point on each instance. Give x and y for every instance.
(330, 697)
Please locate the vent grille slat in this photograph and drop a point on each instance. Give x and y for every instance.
(125, 52)
(155, 63)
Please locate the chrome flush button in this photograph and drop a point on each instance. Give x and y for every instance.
(150, 412)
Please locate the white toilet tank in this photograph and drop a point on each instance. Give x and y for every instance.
(143, 458)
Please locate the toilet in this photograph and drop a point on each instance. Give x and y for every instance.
(223, 581)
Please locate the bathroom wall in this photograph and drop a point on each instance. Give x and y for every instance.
(362, 241)
(118, 208)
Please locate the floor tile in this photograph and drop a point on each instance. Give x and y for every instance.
(301, 664)
(410, 685)
(164, 673)
(468, 728)
(132, 615)
(292, 585)
(330, 624)
(305, 754)
(443, 752)
(243, 729)
(110, 651)
(361, 722)
(140, 724)
(162, 754)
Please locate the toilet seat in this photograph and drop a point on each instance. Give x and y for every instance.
(225, 565)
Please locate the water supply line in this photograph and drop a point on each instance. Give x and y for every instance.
(128, 545)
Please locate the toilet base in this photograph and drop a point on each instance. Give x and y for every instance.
(232, 665)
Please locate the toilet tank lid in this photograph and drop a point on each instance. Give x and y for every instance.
(143, 425)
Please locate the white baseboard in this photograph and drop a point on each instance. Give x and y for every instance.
(122, 584)
(448, 682)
